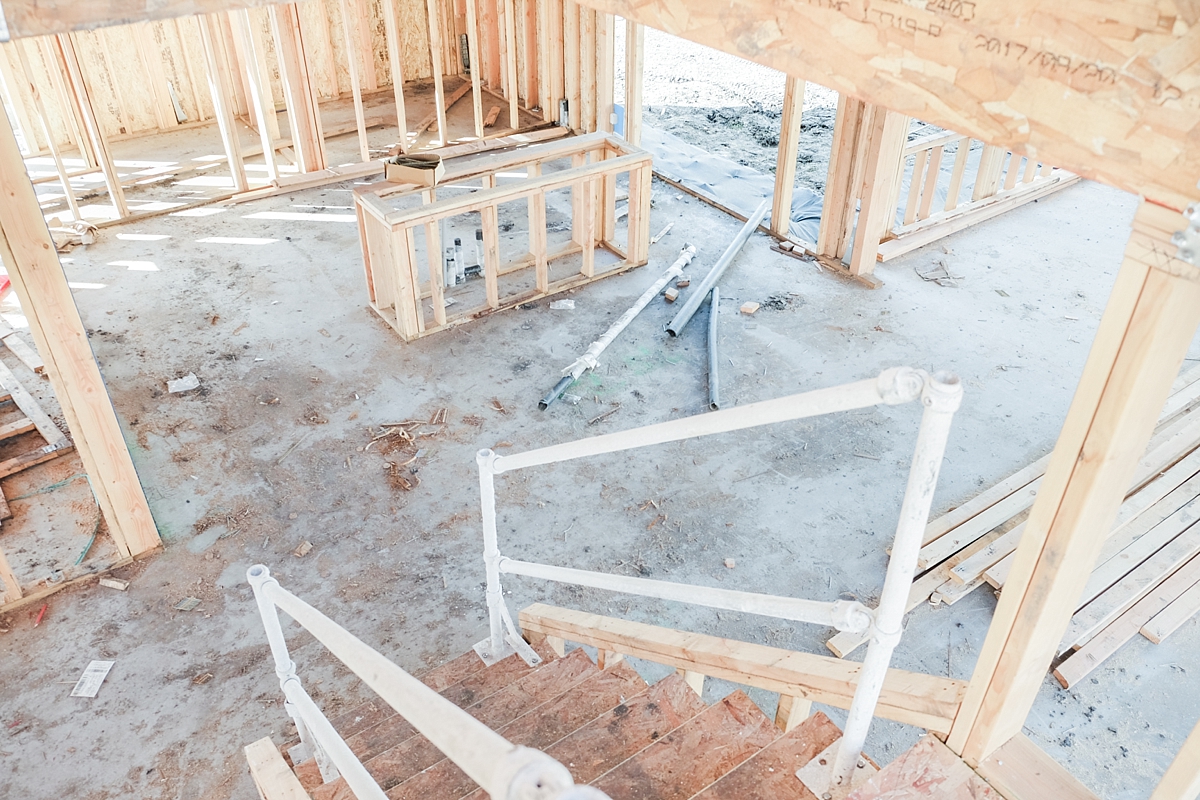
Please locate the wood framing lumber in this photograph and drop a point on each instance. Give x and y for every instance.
(28, 253)
(791, 711)
(923, 587)
(1067, 79)
(1182, 779)
(349, 28)
(29, 407)
(439, 113)
(635, 66)
(44, 120)
(606, 65)
(75, 575)
(12, 586)
(942, 225)
(1171, 618)
(476, 67)
(304, 115)
(222, 103)
(435, 59)
(16, 428)
(837, 209)
(888, 132)
(510, 63)
(11, 466)
(907, 696)
(261, 103)
(1131, 588)
(995, 514)
(272, 776)
(1170, 443)
(83, 102)
(1020, 770)
(1080, 664)
(785, 157)
(39, 17)
(1151, 318)
(391, 32)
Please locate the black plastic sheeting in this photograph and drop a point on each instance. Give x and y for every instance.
(734, 186)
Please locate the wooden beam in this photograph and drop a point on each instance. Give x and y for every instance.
(1152, 315)
(605, 68)
(1103, 90)
(545, 94)
(884, 144)
(841, 188)
(916, 699)
(1020, 770)
(28, 253)
(530, 55)
(349, 32)
(44, 119)
(391, 30)
(510, 63)
(476, 67)
(222, 104)
(83, 101)
(151, 56)
(635, 65)
(42, 17)
(1182, 779)
(304, 114)
(261, 102)
(435, 62)
(272, 776)
(571, 63)
(785, 160)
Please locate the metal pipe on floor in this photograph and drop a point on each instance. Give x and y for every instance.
(714, 382)
(590, 359)
(689, 308)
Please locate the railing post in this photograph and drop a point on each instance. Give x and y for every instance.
(941, 397)
(260, 578)
(494, 647)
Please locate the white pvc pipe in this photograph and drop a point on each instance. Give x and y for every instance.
(590, 359)
(500, 768)
(352, 770)
(491, 556)
(941, 398)
(842, 614)
(893, 386)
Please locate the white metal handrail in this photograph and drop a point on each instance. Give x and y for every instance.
(504, 770)
(941, 395)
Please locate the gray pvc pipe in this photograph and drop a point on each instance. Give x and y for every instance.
(710, 280)
(714, 382)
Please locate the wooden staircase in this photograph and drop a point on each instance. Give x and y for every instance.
(631, 740)
(635, 741)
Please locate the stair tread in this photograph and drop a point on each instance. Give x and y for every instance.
(443, 781)
(336, 790)
(363, 716)
(612, 738)
(441, 678)
(486, 682)
(600, 692)
(926, 771)
(771, 775)
(695, 755)
(401, 762)
(379, 738)
(541, 685)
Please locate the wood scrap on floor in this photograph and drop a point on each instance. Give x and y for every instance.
(1147, 577)
(56, 444)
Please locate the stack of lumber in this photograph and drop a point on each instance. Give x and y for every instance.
(1147, 578)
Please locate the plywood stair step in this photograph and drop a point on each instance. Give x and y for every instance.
(771, 774)
(611, 730)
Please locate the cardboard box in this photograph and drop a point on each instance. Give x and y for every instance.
(419, 169)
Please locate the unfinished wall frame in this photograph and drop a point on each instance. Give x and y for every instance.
(396, 288)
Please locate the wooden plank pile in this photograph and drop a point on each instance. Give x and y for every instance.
(1147, 577)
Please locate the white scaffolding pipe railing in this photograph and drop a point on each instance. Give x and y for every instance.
(502, 769)
(941, 394)
(845, 615)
